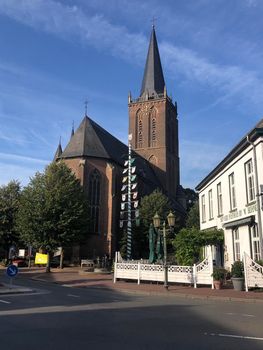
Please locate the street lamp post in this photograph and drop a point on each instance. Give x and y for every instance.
(156, 223)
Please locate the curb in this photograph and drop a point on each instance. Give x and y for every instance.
(180, 295)
(158, 293)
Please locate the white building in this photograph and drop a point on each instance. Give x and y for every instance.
(230, 197)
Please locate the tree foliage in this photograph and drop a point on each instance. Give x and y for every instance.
(193, 219)
(156, 202)
(191, 198)
(9, 204)
(190, 241)
(53, 211)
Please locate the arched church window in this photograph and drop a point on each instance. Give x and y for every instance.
(94, 200)
(139, 130)
(152, 128)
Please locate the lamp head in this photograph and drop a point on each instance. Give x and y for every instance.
(156, 220)
(171, 219)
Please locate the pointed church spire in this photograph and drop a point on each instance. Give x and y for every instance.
(153, 80)
(58, 151)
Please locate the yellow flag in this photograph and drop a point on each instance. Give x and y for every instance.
(41, 258)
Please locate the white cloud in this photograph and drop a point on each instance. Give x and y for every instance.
(16, 157)
(230, 80)
(72, 22)
(198, 159)
(251, 3)
(9, 172)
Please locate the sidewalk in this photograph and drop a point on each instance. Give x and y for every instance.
(75, 277)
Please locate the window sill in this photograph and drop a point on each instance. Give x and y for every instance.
(220, 215)
(232, 210)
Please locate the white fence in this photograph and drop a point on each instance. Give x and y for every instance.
(197, 274)
(253, 273)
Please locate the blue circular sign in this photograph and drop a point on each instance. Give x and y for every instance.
(12, 270)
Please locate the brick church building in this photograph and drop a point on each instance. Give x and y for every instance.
(97, 158)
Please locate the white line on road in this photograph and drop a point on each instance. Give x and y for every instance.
(234, 336)
(73, 295)
(248, 315)
(5, 302)
(244, 315)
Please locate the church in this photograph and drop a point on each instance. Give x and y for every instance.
(97, 158)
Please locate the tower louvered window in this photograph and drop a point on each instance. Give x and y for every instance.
(152, 129)
(94, 200)
(139, 130)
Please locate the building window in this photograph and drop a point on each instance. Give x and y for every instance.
(139, 130)
(219, 199)
(232, 192)
(203, 208)
(250, 181)
(94, 200)
(210, 201)
(255, 243)
(152, 128)
(236, 244)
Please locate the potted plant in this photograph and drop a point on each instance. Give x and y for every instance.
(218, 275)
(237, 275)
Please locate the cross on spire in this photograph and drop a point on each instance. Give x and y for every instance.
(153, 20)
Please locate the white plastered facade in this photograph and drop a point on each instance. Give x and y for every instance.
(230, 198)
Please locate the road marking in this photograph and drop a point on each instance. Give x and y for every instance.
(5, 302)
(73, 295)
(244, 315)
(248, 315)
(234, 336)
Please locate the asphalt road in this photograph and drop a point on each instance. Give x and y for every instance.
(57, 317)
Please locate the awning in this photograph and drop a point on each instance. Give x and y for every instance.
(241, 222)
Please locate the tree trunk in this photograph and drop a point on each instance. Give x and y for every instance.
(48, 263)
(61, 258)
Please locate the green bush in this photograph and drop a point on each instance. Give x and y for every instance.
(237, 270)
(260, 262)
(219, 273)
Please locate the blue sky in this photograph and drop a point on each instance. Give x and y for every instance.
(56, 53)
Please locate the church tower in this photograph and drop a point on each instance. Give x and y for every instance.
(153, 123)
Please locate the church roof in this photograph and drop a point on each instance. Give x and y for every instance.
(91, 140)
(153, 80)
(58, 152)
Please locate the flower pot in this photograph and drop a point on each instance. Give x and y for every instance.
(238, 283)
(218, 284)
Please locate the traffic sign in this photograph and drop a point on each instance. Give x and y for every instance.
(12, 270)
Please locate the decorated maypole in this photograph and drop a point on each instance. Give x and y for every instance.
(129, 204)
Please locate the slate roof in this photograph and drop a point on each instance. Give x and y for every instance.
(58, 152)
(153, 80)
(251, 136)
(91, 140)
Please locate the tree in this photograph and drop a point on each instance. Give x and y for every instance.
(190, 241)
(191, 198)
(187, 246)
(193, 217)
(156, 202)
(54, 210)
(9, 204)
